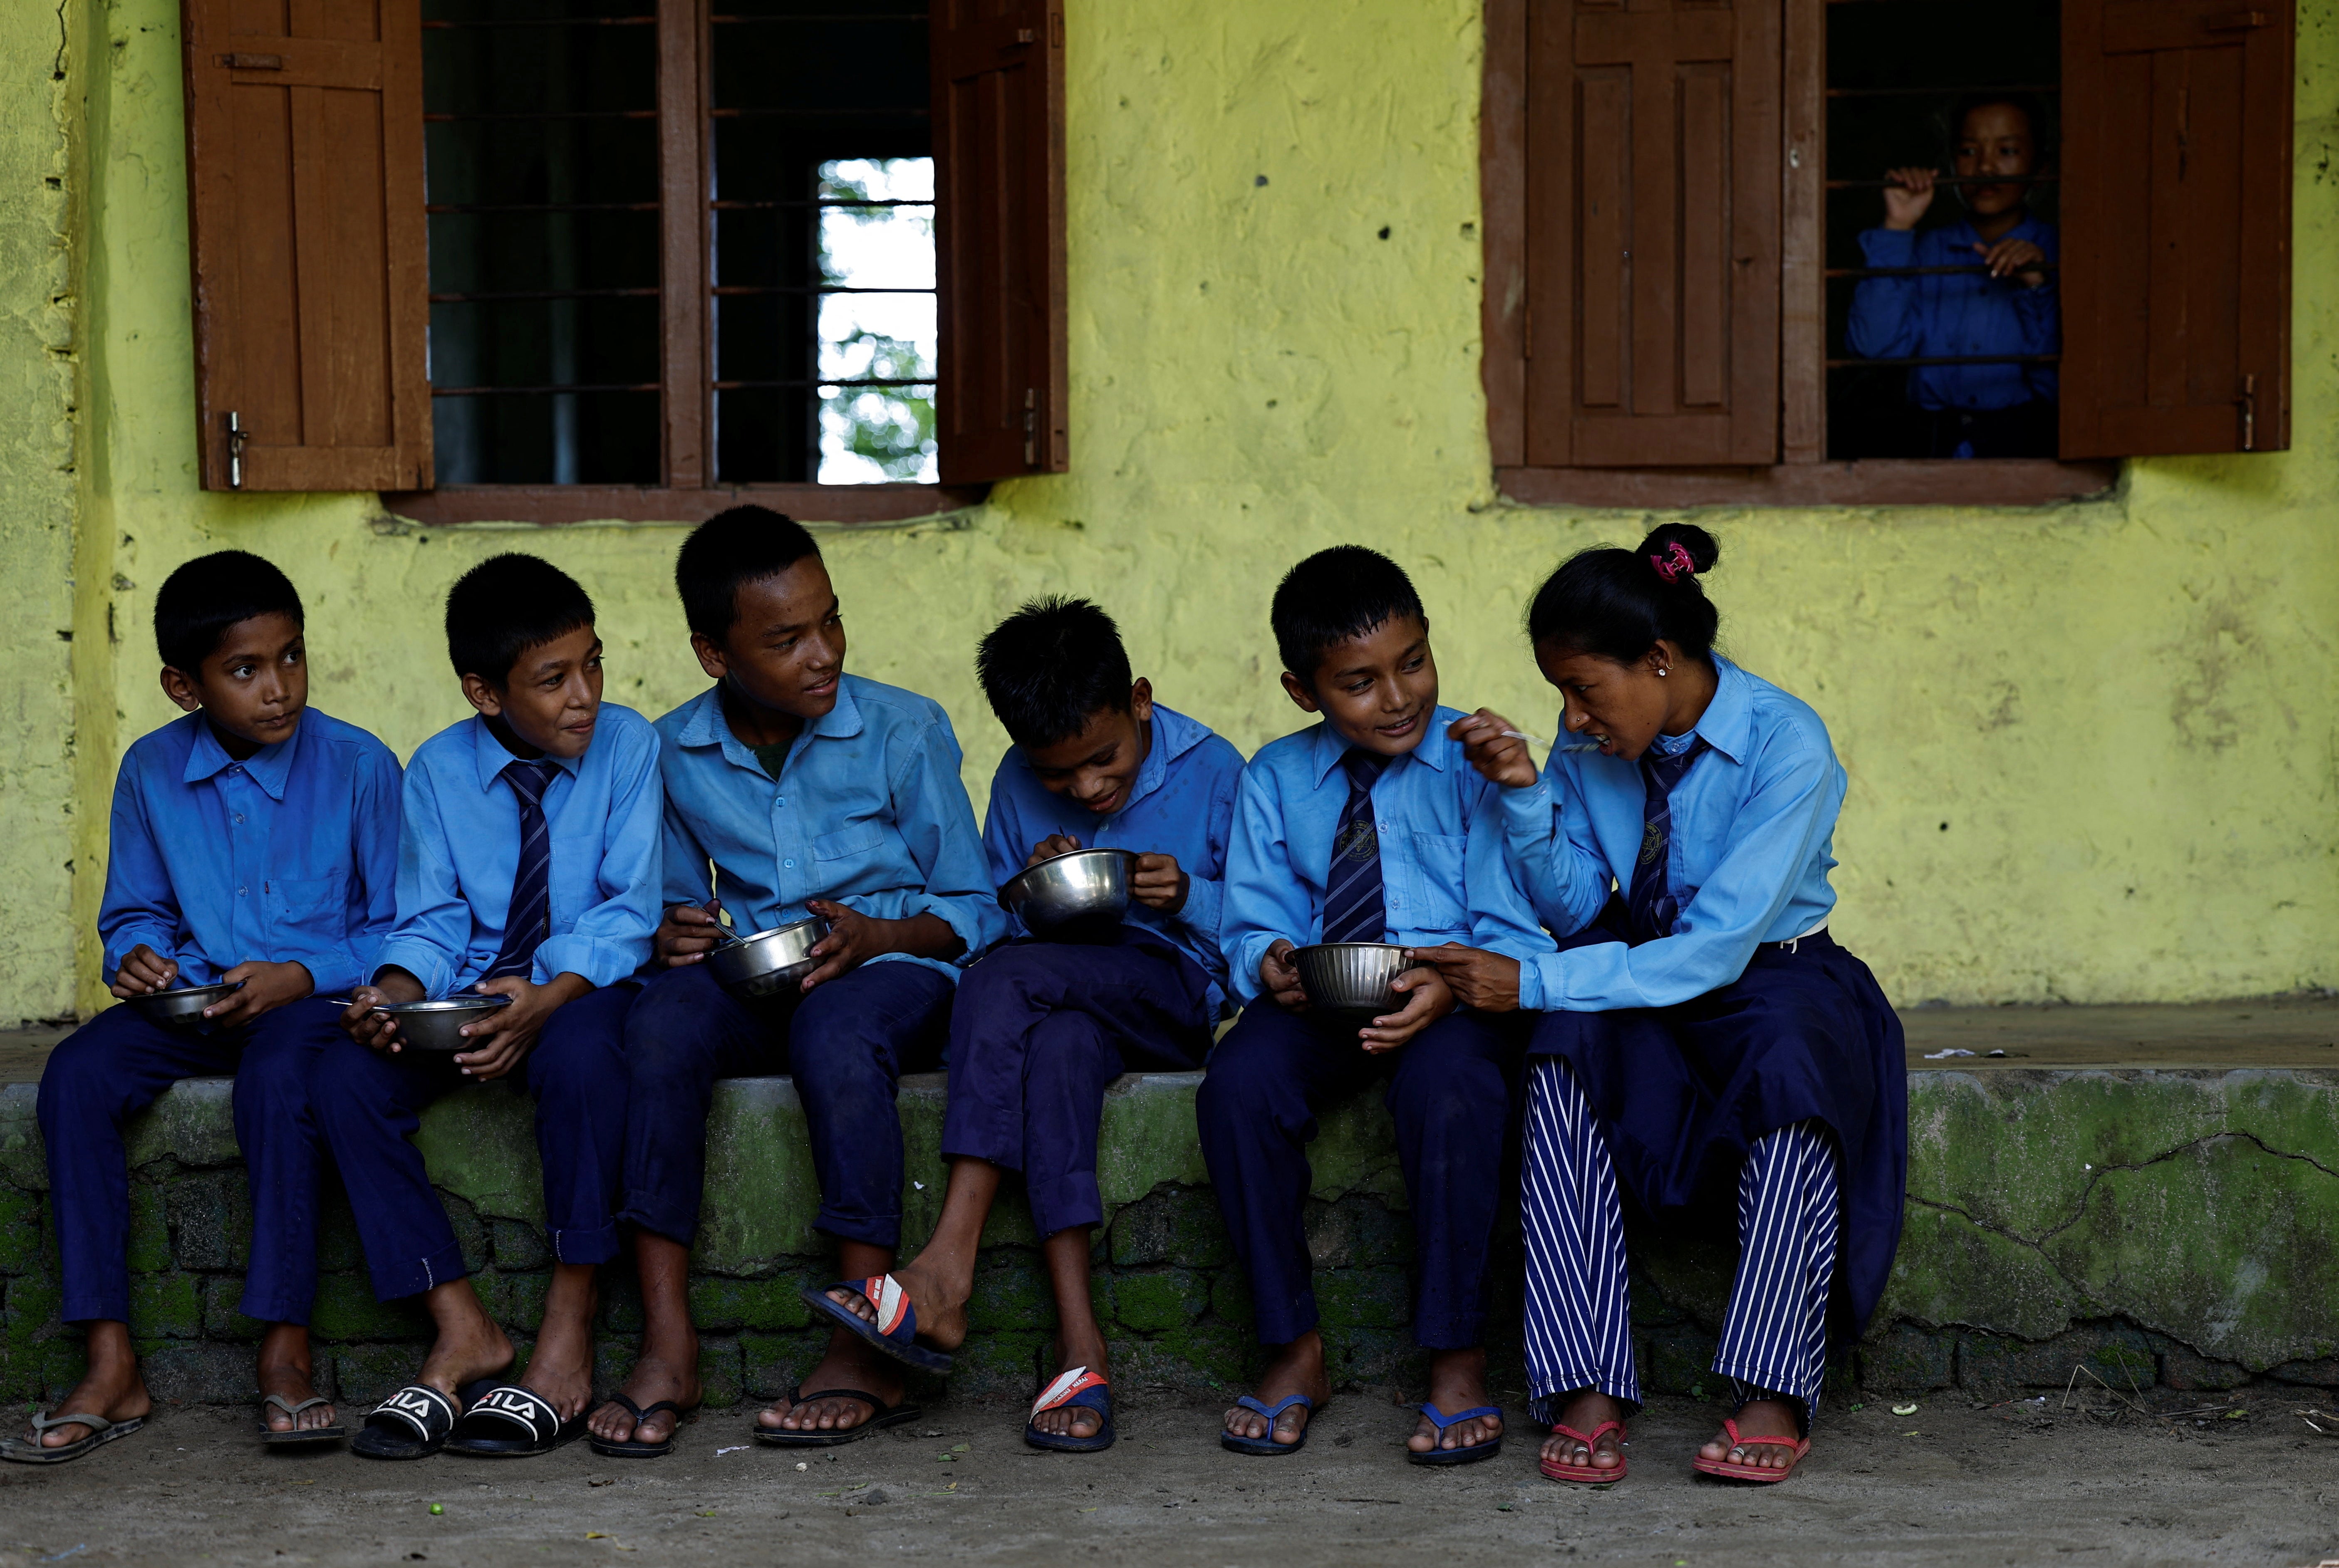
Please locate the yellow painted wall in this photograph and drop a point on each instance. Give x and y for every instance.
(2092, 747)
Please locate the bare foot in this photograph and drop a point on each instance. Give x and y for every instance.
(110, 1388)
(1760, 1418)
(1297, 1368)
(470, 1345)
(849, 1364)
(941, 1306)
(657, 1375)
(1587, 1410)
(1458, 1381)
(288, 1370)
(560, 1368)
(1076, 1420)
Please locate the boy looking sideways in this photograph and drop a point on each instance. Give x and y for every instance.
(253, 842)
(2000, 301)
(1368, 826)
(527, 868)
(810, 791)
(1041, 1029)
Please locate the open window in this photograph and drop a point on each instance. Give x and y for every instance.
(1688, 300)
(557, 260)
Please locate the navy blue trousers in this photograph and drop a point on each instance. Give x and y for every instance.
(846, 1045)
(1039, 1033)
(116, 1066)
(1450, 1093)
(370, 1103)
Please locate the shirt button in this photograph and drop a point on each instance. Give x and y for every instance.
(238, 817)
(239, 892)
(789, 863)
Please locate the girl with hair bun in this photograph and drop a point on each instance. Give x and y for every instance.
(1702, 1037)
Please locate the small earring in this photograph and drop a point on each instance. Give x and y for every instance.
(1662, 674)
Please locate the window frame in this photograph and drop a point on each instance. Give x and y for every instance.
(1803, 475)
(688, 494)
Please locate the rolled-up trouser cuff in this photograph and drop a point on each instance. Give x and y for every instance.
(597, 1245)
(396, 1281)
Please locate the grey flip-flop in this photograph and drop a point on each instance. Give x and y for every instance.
(101, 1431)
(296, 1436)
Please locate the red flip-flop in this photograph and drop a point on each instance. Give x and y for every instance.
(1587, 1474)
(1764, 1474)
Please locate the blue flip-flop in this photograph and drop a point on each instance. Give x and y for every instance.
(1267, 1444)
(1080, 1389)
(1470, 1456)
(895, 1332)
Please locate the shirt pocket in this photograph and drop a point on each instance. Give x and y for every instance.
(848, 842)
(1437, 890)
(312, 903)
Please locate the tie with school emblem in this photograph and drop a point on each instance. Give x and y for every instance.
(1649, 905)
(528, 919)
(1354, 907)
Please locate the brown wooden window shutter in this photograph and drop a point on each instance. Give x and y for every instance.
(304, 167)
(999, 175)
(2177, 143)
(1653, 222)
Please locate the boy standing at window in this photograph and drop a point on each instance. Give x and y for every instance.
(1042, 1027)
(2002, 302)
(254, 842)
(807, 792)
(1368, 826)
(527, 868)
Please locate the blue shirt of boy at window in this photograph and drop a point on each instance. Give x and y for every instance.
(2006, 305)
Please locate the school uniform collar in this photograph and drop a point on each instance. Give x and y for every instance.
(1435, 750)
(1174, 734)
(489, 757)
(707, 726)
(1728, 723)
(268, 767)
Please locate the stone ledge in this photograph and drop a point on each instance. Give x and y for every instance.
(2169, 1223)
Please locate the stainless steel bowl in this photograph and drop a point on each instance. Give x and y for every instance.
(434, 1025)
(183, 1008)
(1083, 893)
(770, 961)
(1351, 976)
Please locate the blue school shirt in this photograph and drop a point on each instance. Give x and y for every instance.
(289, 856)
(1753, 825)
(1444, 874)
(1182, 805)
(1956, 315)
(460, 848)
(868, 812)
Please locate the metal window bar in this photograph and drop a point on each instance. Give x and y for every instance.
(798, 384)
(655, 387)
(508, 296)
(1946, 182)
(734, 291)
(534, 207)
(732, 21)
(542, 115)
(542, 21)
(798, 204)
(894, 113)
(1927, 271)
(1925, 360)
(2038, 90)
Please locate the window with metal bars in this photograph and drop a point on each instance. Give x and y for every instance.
(1931, 354)
(1675, 193)
(546, 202)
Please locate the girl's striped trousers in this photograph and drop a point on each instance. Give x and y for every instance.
(1579, 1330)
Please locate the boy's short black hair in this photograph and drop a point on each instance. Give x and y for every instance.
(1334, 595)
(726, 552)
(212, 593)
(506, 605)
(2032, 109)
(1049, 666)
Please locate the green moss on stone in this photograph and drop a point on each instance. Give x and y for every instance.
(166, 1305)
(346, 1311)
(150, 1229)
(1156, 1300)
(518, 1245)
(20, 1232)
(210, 1219)
(1363, 1298)
(764, 1306)
(223, 1318)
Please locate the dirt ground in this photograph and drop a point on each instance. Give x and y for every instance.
(1948, 1484)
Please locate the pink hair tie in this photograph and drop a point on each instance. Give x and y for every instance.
(1675, 564)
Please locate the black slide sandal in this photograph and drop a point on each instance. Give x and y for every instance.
(632, 1450)
(297, 1436)
(509, 1422)
(887, 1415)
(414, 1422)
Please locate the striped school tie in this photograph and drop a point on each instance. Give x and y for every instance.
(1354, 907)
(528, 919)
(1651, 906)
